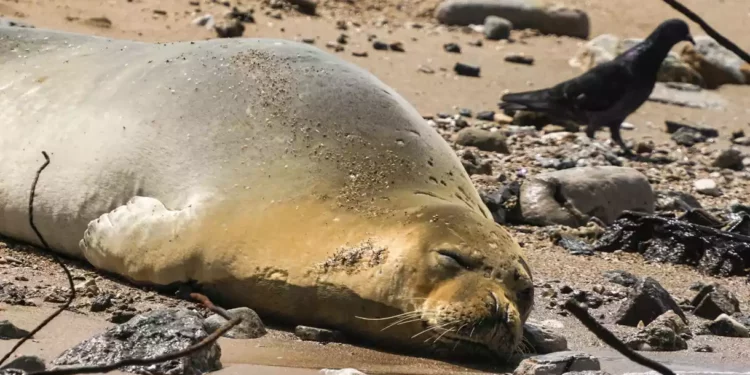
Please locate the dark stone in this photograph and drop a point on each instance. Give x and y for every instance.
(486, 116)
(497, 28)
(8, 331)
(725, 326)
(714, 300)
(594, 301)
(675, 201)
(250, 327)
(466, 70)
(520, 59)
(670, 240)
(566, 289)
(483, 140)
(397, 47)
(673, 127)
(26, 363)
(465, 112)
(574, 245)
(621, 277)
(242, 16)
(318, 334)
(646, 302)
(452, 48)
(121, 316)
(101, 302)
(149, 335)
(703, 349)
(579, 295)
(231, 29)
(729, 159)
(687, 137)
(380, 46)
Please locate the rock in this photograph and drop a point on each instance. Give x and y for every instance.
(675, 201)
(687, 137)
(343, 371)
(574, 245)
(726, 326)
(242, 16)
(305, 6)
(621, 277)
(646, 302)
(729, 159)
(466, 70)
(318, 334)
(742, 141)
(101, 22)
(676, 94)
(250, 327)
(87, 288)
(674, 322)
(562, 197)
(660, 339)
(486, 116)
(475, 165)
(27, 363)
(566, 289)
(714, 300)
(8, 331)
(519, 58)
(716, 64)
(5, 22)
(523, 14)
(359, 53)
(101, 303)
(707, 186)
(229, 29)
(56, 295)
(483, 140)
(606, 47)
(497, 28)
(673, 126)
(206, 20)
(452, 48)
(397, 47)
(542, 339)
(557, 364)
(121, 316)
(149, 335)
(380, 46)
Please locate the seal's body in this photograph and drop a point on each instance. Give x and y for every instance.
(288, 180)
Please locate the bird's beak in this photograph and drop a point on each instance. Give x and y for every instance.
(689, 38)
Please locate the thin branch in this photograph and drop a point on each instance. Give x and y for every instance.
(210, 339)
(726, 43)
(71, 295)
(610, 339)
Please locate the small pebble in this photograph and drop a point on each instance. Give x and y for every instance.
(519, 59)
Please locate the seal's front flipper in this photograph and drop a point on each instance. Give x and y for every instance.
(143, 240)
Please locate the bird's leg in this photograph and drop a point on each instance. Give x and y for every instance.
(614, 130)
(591, 129)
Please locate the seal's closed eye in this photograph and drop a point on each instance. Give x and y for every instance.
(453, 259)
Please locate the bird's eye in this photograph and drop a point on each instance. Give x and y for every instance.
(452, 259)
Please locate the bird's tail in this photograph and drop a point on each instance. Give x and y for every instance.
(538, 100)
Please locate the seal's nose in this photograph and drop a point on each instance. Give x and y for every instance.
(498, 311)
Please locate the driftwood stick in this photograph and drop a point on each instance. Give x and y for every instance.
(610, 339)
(726, 43)
(72, 294)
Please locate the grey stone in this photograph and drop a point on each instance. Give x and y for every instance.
(27, 363)
(149, 335)
(714, 300)
(523, 14)
(318, 334)
(483, 140)
(101, 303)
(725, 325)
(542, 339)
(573, 196)
(497, 28)
(557, 364)
(646, 302)
(687, 137)
(716, 64)
(8, 331)
(667, 333)
(621, 277)
(670, 93)
(675, 201)
(729, 159)
(250, 327)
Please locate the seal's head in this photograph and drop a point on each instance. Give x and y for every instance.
(474, 287)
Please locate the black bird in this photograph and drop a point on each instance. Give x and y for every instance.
(608, 93)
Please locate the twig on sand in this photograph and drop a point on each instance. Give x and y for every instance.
(96, 369)
(726, 43)
(72, 294)
(610, 339)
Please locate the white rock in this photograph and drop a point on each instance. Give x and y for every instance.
(343, 371)
(707, 186)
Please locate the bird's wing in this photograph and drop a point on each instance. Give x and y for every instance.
(598, 89)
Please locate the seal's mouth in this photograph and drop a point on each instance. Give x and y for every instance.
(491, 340)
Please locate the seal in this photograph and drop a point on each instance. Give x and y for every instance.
(281, 177)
